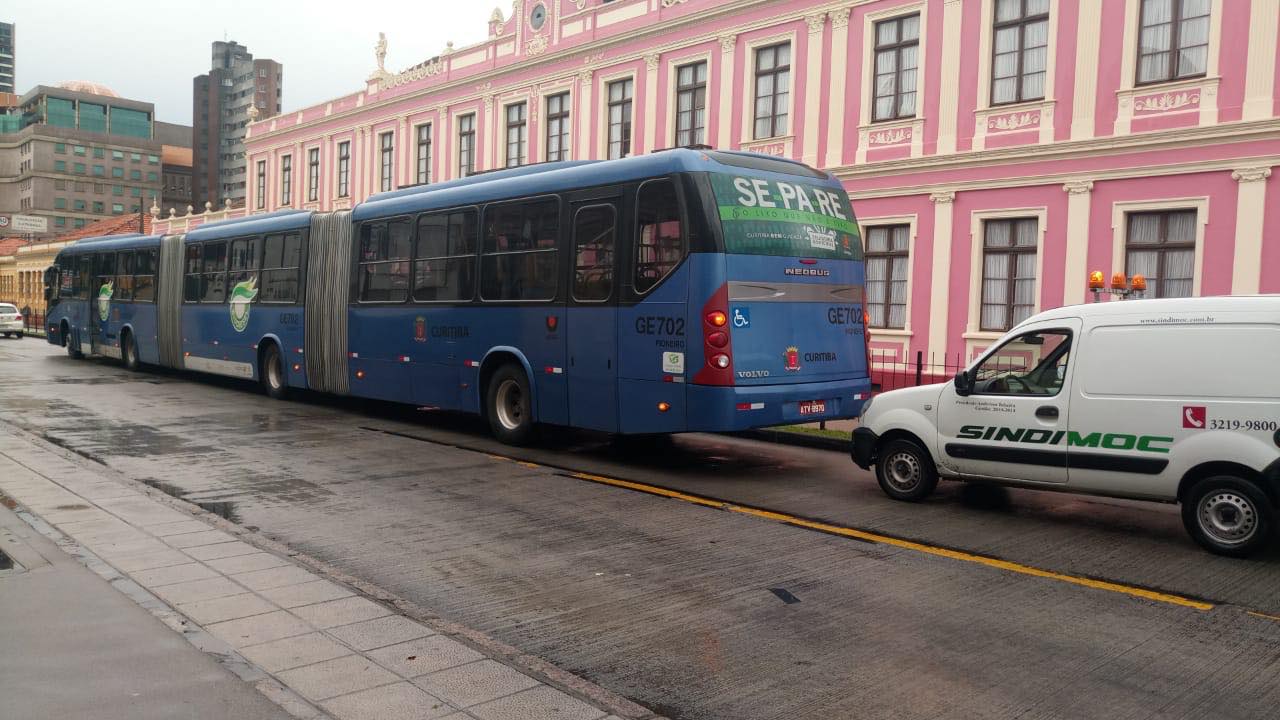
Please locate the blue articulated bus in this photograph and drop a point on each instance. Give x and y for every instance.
(686, 290)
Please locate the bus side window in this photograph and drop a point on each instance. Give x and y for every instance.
(124, 275)
(213, 273)
(445, 258)
(84, 277)
(385, 249)
(104, 268)
(67, 276)
(520, 251)
(144, 276)
(281, 261)
(659, 236)
(191, 278)
(244, 262)
(594, 237)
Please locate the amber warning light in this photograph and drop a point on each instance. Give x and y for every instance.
(1120, 286)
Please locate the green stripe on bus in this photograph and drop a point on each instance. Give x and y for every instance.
(737, 212)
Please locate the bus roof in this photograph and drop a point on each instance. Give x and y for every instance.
(278, 221)
(111, 242)
(562, 176)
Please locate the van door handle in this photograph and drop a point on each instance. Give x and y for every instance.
(1047, 412)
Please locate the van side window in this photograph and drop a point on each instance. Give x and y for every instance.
(520, 251)
(385, 249)
(659, 234)
(1033, 363)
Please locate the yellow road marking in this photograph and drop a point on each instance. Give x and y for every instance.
(960, 555)
(1263, 615)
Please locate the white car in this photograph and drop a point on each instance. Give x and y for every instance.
(10, 321)
(1170, 400)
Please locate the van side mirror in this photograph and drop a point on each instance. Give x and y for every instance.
(964, 383)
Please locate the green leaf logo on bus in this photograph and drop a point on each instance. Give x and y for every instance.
(242, 296)
(104, 300)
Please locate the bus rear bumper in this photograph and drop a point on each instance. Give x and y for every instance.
(723, 409)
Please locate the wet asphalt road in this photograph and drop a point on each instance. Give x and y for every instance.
(692, 611)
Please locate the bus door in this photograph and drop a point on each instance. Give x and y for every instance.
(593, 312)
(101, 292)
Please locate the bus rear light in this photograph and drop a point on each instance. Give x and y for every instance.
(717, 343)
(296, 367)
(808, 261)
(717, 319)
(717, 339)
(720, 360)
(359, 374)
(664, 406)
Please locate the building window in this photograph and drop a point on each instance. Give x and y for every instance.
(262, 184)
(897, 56)
(99, 153)
(773, 90)
(386, 146)
(1020, 51)
(517, 134)
(99, 207)
(691, 104)
(1161, 246)
(424, 154)
(117, 172)
(313, 174)
(1174, 40)
(60, 148)
(153, 177)
(558, 127)
(99, 170)
(117, 190)
(1008, 272)
(60, 203)
(466, 145)
(135, 174)
(344, 168)
(117, 208)
(60, 166)
(78, 150)
(286, 180)
(888, 265)
(620, 118)
(80, 168)
(117, 155)
(153, 159)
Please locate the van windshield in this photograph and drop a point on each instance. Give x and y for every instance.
(762, 216)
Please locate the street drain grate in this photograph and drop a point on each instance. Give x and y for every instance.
(9, 566)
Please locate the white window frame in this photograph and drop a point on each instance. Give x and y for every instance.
(916, 124)
(747, 83)
(899, 337)
(674, 64)
(974, 336)
(1206, 86)
(1120, 211)
(530, 113)
(1044, 107)
(602, 106)
(455, 140)
(548, 91)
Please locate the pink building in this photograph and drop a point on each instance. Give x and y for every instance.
(995, 150)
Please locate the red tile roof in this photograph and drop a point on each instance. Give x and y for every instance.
(9, 246)
(120, 225)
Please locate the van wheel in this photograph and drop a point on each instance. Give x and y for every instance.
(508, 405)
(129, 352)
(272, 373)
(906, 471)
(1228, 515)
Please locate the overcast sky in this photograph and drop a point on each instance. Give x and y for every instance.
(150, 50)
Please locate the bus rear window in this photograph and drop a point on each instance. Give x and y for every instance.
(793, 219)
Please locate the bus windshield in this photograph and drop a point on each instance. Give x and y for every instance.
(762, 216)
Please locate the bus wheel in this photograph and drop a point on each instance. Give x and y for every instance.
(1228, 516)
(906, 471)
(129, 352)
(272, 373)
(72, 351)
(508, 406)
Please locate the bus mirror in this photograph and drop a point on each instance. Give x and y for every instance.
(964, 383)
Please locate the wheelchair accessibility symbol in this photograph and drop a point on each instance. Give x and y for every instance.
(741, 317)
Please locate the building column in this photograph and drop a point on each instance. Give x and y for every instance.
(839, 77)
(405, 144)
(949, 89)
(1084, 98)
(440, 145)
(939, 285)
(1246, 270)
(651, 63)
(1260, 75)
(813, 87)
(490, 137)
(724, 122)
(1079, 194)
(584, 114)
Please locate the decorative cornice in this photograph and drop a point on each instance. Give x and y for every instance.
(728, 43)
(816, 23)
(584, 77)
(652, 60)
(839, 18)
(535, 45)
(1251, 174)
(668, 3)
(1078, 187)
(943, 196)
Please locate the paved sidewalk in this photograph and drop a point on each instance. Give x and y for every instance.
(310, 644)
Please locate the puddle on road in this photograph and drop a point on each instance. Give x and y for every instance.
(222, 508)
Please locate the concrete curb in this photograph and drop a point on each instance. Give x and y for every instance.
(785, 437)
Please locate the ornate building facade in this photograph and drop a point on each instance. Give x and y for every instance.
(995, 150)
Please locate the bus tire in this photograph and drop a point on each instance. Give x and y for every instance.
(1228, 515)
(508, 406)
(129, 352)
(72, 351)
(905, 471)
(271, 370)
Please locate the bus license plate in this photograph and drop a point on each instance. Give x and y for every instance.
(813, 407)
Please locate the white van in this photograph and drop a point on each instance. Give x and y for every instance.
(1167, 400)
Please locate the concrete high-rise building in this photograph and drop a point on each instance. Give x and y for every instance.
(175, 163)
(8, 57)
(79, 153)
(222, 100)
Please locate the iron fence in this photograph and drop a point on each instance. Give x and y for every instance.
(890, 372)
